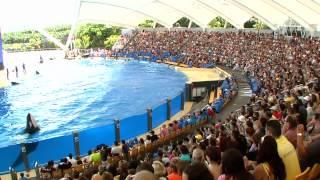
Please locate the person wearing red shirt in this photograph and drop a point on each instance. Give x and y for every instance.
(276, 113)
(173, 170)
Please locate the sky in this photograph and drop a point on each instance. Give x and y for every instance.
(17, 15)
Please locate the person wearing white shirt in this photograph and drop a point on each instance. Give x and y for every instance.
(116, 149)
(72, 160)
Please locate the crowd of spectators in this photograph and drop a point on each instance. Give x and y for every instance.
(276, 135)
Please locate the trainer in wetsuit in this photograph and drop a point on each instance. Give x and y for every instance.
(17, 71)
(7, 73)
(24, 68)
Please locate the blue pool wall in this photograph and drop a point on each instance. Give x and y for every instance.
(58, 147)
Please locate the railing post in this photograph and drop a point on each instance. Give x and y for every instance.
(168, 108)
(25, 157)
(117, 129)
(13, 174)
(37, 170)
(188, 90)
(215, 91)
(182, 100)
(76, 143)
(149, 118)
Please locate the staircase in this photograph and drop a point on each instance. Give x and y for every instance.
(244, 94)
(132, 37)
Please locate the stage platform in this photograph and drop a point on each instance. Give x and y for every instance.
(203, 74)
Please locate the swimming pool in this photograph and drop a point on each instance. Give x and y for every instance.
(77, 95)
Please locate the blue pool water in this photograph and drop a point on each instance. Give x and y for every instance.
(75, 95)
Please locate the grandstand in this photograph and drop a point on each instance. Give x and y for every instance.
(276, 132)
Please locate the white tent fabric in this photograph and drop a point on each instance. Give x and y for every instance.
(129, 13)
(38, 14)
(32, 14)
(19, 15)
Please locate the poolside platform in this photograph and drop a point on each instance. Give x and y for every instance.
(203, 74)
(194, 75)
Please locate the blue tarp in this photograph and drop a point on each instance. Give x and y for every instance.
(159, 115)
(218, 104)
(225, 85)
(209, 65)
(154, 58)
(175, 58)
(176, 105)
(133, 126)
(90, 138)
(50, 149)
(9, 155)
(166, 54)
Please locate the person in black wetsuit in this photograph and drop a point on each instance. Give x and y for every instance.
(17, 73)
(24, 68)
(41, 59)
(7, 73)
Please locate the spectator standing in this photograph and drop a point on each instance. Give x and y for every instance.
(286, 150)
(270, 165)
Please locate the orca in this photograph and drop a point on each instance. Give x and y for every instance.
(14, 83)
(32, 125)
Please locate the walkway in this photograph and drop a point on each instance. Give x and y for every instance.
(241, 99)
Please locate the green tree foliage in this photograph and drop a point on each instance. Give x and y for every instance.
(111, 40)
(83, 42)
(260, 25)
(30, 39)
(255, 23)
(146, 24)
(219, 22)
(94, 35)
(184, 22)
(16, 37)
(60, 32)
(35, 40)
(149, 24)
(88, 36)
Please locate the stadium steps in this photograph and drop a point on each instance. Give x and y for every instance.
(244, 94)
(134, 35)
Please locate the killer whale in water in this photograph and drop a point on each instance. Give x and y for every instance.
(14, 83)
(32, 125)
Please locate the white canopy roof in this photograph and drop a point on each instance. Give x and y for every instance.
(129, 13)
(37, 14)
(34, 14)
